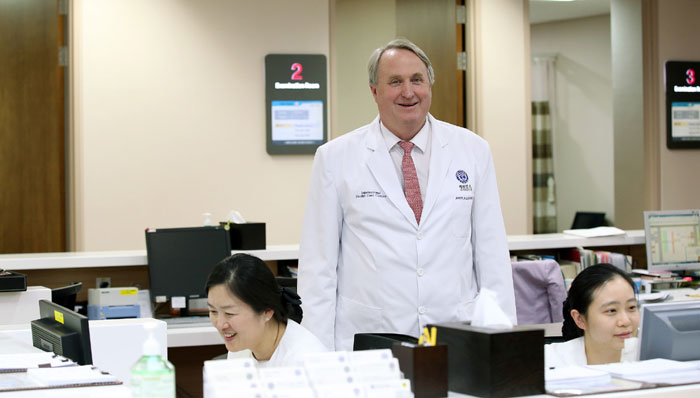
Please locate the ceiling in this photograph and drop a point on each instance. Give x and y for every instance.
(549, 10)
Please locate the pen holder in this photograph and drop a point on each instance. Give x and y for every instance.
(425, 366)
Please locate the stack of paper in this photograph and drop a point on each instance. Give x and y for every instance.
(579, 380)
(575, 376)
(595, 232)
(656, 371)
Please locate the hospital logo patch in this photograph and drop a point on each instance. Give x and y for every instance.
(462, 176)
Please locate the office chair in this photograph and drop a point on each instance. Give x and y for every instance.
(66, 295)
(587, 219)
(288, 282)
(539, 291)
(375, 341)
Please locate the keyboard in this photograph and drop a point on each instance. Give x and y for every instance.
(187, 321)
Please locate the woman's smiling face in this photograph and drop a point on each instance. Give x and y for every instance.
(612, 317)
(240, 327)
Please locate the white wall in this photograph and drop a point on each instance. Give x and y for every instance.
(583, 139)
(170, 116)
(361, 26)
(503, 103)
(678, 39)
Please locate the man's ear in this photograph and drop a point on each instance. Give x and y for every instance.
(578, 319)
(374, 92)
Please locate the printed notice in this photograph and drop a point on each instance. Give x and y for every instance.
(685, 119)
(297, 122)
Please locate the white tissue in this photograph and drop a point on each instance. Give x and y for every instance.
(235, 217)
(487, 313)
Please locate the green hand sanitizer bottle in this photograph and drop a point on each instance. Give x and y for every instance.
(152, 376)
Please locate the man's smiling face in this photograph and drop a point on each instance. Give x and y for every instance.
(403, 92)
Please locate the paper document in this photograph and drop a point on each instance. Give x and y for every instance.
(595, 232)
(86, 374)
(581, 380)
(651, 367)
(46, 378)
(22, 362)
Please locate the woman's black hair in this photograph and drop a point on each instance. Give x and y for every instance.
(581, 294)
(251, 281)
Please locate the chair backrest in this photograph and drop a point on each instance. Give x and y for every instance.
(539, 291)
(286, 281)
(375, 341)
(66, 295)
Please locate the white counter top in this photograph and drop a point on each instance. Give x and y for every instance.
(562, 241)
(30, 261)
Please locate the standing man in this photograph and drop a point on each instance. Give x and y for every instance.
(403, 223)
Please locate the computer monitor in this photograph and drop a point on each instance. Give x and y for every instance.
(672, 240)
(63, 332)
(670, 330)
(180, 260)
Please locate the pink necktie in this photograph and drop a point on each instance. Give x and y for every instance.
(410, 180)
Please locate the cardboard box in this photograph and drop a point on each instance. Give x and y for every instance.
(493, 363)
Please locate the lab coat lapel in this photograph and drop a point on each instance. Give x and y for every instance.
(383, 170)
(440, 160)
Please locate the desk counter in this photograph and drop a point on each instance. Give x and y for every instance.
(39, 261)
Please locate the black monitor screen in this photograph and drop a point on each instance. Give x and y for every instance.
(180, 259)
(63, 332)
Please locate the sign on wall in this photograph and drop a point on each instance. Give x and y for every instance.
(296, 103)
(682, 104)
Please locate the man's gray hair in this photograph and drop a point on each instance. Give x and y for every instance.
(404, 44)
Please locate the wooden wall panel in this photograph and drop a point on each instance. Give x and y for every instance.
(32, 136)
(432, 26)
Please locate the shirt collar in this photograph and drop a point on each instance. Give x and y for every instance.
(420, 140)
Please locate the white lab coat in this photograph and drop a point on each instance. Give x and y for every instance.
(365, 265)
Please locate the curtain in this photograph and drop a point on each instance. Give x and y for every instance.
(543, 111)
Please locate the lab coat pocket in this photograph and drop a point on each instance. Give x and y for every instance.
(465, 310)
(462, 216)
(355, 317)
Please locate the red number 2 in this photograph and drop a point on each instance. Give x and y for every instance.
(297, 68)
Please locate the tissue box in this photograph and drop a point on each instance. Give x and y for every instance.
(247, 236)
(425, 366)
(489, 362)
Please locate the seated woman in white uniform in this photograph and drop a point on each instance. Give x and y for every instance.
(600, 320)
(253, 314)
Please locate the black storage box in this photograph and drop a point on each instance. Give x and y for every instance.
(11, 281)
(489, 362)
(247, 236)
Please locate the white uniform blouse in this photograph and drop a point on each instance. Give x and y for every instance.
(573, 353)
(295, 344)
